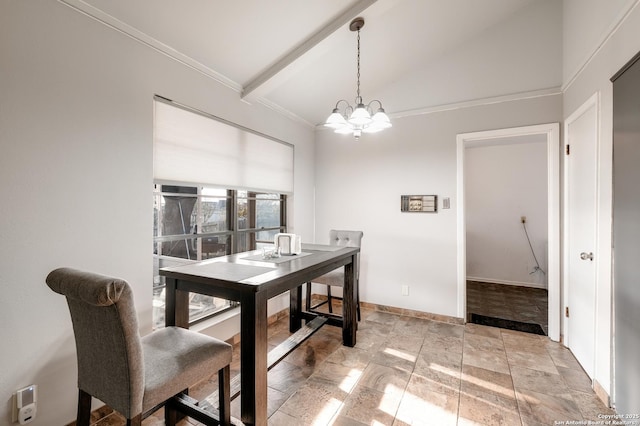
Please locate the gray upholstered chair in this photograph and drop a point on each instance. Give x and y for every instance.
(134, 375)
(336, 277)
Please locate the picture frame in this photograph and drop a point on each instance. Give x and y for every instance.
(419, 203)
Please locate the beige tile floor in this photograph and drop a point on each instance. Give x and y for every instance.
(411, 371)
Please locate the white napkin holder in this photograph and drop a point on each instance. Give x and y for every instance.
(289, 244)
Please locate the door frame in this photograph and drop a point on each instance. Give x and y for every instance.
(552, 134)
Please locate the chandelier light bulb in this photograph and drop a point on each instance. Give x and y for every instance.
(336, 120)
(360, 116)
(381, 119)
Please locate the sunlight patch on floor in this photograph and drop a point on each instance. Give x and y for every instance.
(327, 412)
(400, 354)
(495, 388)
(350, 380)
(429, 407)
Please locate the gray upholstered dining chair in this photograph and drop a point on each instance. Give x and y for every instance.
(336, 277)
(134, 375)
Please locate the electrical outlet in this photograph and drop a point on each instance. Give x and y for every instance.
(405, 290)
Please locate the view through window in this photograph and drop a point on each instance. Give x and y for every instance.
(193, 223)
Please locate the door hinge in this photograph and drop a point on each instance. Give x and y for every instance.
(566, 311)
(568, 150)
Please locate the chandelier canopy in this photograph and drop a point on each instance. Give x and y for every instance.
(361, 118)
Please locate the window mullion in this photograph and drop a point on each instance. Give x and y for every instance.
(199, 223)
(252, 215)
(283, 213)
(232, 209)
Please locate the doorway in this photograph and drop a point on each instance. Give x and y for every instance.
(548, 134)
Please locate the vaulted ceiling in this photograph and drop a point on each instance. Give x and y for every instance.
(299, 57)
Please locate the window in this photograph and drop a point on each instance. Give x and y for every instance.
(194, 223)
(200, 221)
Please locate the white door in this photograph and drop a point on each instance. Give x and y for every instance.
(581, 134)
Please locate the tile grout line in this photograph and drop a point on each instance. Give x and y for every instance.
(464, 337)
(515, 396)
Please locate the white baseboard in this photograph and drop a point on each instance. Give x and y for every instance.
(601, 393)
(506, 282)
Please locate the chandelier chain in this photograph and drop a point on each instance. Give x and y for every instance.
(358, 98)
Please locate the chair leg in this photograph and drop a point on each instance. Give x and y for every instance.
(358, 299)
(329, 299)
(136, 421)
(307, 303)
(84, 409)
(224, 395)
(170, 414)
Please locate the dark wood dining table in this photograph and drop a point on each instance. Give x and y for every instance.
(252, 281)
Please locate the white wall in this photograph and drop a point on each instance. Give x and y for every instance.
(616, 47)
(359, 184)
(76, 173)
(504, 182)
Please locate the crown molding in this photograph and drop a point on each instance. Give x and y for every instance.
(282, 111)
(475, 103)
(613, 28)
(145, 39)
(479, 102)
(115, 24)
(98, 15)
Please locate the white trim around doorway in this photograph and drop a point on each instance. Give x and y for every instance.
(552, 132)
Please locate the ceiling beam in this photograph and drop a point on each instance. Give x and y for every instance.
(305, 46)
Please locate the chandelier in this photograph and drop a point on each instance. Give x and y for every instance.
(361, 118)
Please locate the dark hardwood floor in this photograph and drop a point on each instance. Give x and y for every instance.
(524, 304)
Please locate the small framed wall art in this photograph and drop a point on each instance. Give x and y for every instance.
(419, 203)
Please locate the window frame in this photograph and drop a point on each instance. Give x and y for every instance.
(233, 233)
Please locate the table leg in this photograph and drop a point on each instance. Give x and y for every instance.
(176, 310)
(253, 359)
(349, 304)
(295, 306)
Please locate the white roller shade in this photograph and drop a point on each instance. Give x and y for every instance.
(191, 147)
